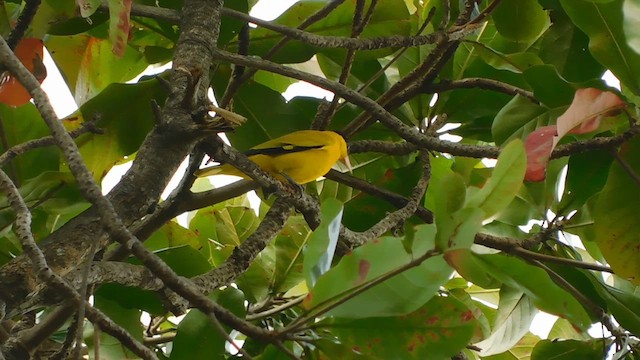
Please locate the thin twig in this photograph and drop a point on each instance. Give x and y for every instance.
(28, 12)
(480, 83)
(626, 167)
(486, 12)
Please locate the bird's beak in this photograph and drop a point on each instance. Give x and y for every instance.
(347, 163)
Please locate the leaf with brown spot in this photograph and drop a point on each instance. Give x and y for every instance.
(437, 330)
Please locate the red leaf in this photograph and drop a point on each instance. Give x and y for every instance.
(588, 108)
(538, 147)
(30, 52)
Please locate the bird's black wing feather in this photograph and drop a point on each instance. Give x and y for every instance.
(281, 150)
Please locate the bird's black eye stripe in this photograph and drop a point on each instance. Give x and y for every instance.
(281, 150)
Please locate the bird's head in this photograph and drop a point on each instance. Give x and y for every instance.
(344, 153)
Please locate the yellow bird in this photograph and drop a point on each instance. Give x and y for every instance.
(302, 156)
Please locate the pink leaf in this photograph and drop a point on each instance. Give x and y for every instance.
(538, 147)
(588, 108)
(119, 11)
(586, 111)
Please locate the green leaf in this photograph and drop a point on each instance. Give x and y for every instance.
(92, 72)
(615, 216)
(289, 245)
(516, 62)
(518, 118)
(521, 351)
(515, 314)
(586, 175)
(388, 19)
(447, 193)
(548, 87)
(520, 20)
(567, 350)
(282, 118)
(564, 46)
(458, 230)
(129, 319)
(630, 10)
(121, 137)
(622, 301)
(399, 295)
(170, 235)
(603, 23)
(19, 125)
(505, 181)
(197, 337)
(562, 329)
(363, 211)
(437, 330)
(322, 244)
(536, 284)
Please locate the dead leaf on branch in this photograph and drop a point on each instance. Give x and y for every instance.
(585, 114)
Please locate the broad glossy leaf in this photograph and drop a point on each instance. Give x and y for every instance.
(129, 319)
(518, 118)
(603, 23)
(586, 175)
(520, 20)
(537, 284)
(522, 350)
(458, 230)
(630, 10)
(364, 68)
(516, 62)
(622, 305)
(504, 183)
(567, 350)
(515, 314)
(363, 210)
(565, 46)
(222, 228)
(388, 19)
(437, 330)
(447, 194)
(471, 268)
(548, 86)
(171, 234)
(319, 253)
(562, 329)
(615, 216)
(475, 109)
(123, 135)
(88, 74)
(184, 260)
(19, 125)
(289, 245)
(255, 281)
(282, 118)
(197, 337)
(399, 295)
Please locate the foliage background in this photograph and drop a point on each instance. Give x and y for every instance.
(423, 252)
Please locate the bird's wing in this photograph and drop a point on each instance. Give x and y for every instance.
(296, 141)
(281, 150)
